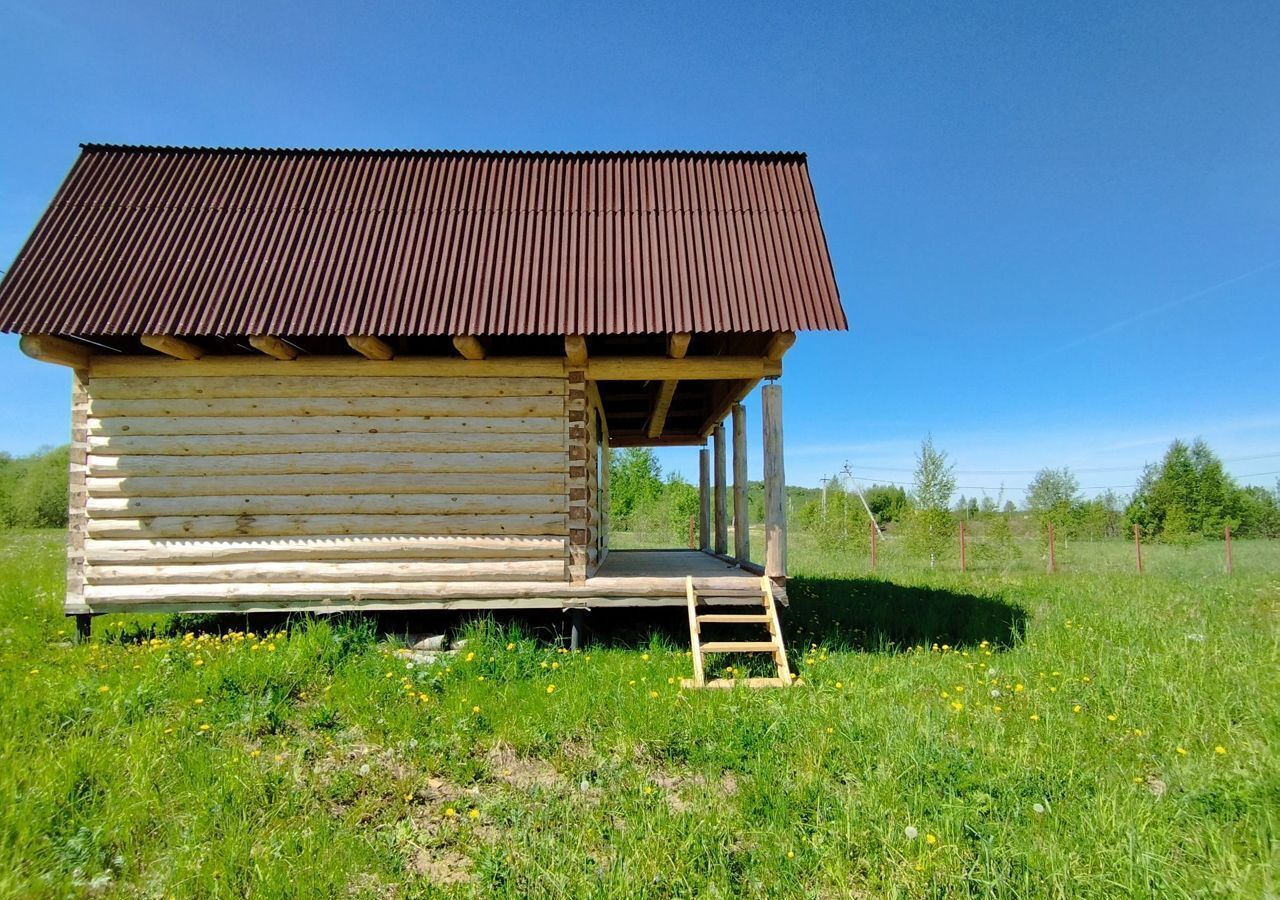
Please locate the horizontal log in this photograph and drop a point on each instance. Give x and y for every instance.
(183, 425)
(52, 349)
(554, 524)
(319, 504)
(313, 571)
(354, 483)
(183, 387)
(392, 546)
(105, 465)
(566, 599)
(660, 368)
(446, 591)
(331, 406)
(423, 366)
(233, 445)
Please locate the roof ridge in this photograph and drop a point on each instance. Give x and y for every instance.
(777, 155)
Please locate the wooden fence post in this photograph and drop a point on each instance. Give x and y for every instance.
(1053, 565)
(1137, 545)
(1227, 533)
(963, 561)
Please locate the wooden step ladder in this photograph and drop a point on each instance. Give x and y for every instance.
(764, 613)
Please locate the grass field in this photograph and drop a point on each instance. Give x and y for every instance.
(1086, 734)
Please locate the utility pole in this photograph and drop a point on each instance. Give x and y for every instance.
(848, 473)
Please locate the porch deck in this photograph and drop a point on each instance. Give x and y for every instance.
(657, 578)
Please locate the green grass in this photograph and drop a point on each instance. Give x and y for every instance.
(328, 768)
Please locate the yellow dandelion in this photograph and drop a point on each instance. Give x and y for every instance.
(1181, 751)
(555, 665)
(470, 656)
(475, 709)
(632, 682)
(1111, 717)
(450, 812)
(1137, 732)
(279, 757)
(648, 790)
(168, 731)
(1018, 688)
(839, 685)
(551, 689)
(791, 854)
(271, 648)
(1035, 718)
(957, 705)
(254, 754)
(474, 814)
(204, 726)
(671, 681)
(830, 730)
(103, 689)
(511, 646)
(34, 672)
(1220, 750)
(930, 839)
(998, 708)
(199, 701)
(1077, 708)
(644, 656)
(198, 662)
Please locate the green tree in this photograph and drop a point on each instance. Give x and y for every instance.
(930, 527)
(635, 482)
(888, 503)
(1191, 485)
(1051, 496)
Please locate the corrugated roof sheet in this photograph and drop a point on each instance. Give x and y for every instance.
(201, 241)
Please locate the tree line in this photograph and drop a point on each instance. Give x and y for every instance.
(33, 489)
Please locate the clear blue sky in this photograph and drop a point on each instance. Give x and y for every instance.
(1056, 228)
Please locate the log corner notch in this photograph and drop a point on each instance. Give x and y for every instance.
(778, 345)
(272, 346)
(47, 348)
(468, 346)
(677, 347)
(370, 347)
(173, 346)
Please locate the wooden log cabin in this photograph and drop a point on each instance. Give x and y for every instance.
(330, 380)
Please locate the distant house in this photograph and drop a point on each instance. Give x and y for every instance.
(324, 380)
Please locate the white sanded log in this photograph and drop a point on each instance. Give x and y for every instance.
(273, 346)
(775, 484)
(499, 484)
(286, 525)
(329, 366)
(173, 346)
(741, 509)
(704, 499)
(396, 546)
(180, 387)
(105, 465)
(325, 504)
(184, 425)
(232, 445)
(47, 348)
(721, 492)
(327, 571)
(575, 349)
(468, 346)
(370, 347)
(487, 407)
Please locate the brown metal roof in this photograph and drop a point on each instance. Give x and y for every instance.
(203, 241)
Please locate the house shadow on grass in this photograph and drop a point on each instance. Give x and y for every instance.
(870, 614)
(861, 614)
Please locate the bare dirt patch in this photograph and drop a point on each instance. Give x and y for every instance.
(522, 772)
(442, 866)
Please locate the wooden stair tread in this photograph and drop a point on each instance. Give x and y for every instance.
(762, 618)
(739, 647)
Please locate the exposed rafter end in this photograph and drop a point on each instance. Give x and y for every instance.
(173, 346)
(575, 349)
(370, 347)
(678, 344)
(469, 346)
(661, 406)
(735, 392)
(778, 345)
(47, 348)
(273, 346)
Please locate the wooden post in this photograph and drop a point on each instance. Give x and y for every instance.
(693, 532)
(704, 499)
(1227, 535)
(741, 511)
(721, 491)
(874, 544)
(1137, 545)
(1053, 566)
(963, 562)
(775, 485)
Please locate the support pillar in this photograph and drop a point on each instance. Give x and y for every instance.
(741, 511)
(721, 492)
(704, 499)
(775, 485)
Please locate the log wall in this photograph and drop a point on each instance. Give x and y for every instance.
(203, 484)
